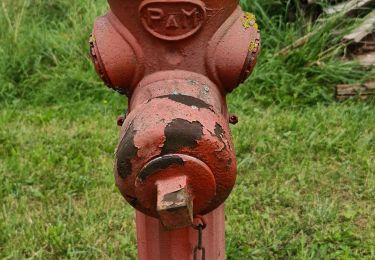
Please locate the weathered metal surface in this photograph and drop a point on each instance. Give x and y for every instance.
(176, 127)
(176, 60)
(177, 106)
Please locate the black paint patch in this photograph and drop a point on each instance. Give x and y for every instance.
(158, 164)
(132, 201)
(188, 101)
(175, 209)
(220, 133)
(181, 133)
(126, 152)
(229, 164)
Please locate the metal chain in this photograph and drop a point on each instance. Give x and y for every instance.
(200, 227)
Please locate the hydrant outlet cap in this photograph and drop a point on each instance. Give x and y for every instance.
(200, 182)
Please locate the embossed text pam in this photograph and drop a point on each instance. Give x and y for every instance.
(184, 18)
(173, 20)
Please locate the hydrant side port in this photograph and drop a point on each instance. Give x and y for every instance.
(176, 60)
(117, 56)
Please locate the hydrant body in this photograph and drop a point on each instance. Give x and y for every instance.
(176, 60)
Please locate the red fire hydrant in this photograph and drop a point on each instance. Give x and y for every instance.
(176, 60)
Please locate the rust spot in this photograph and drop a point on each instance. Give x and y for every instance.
(126, 152)
(181, 133)
(158, 164)
(189, 101)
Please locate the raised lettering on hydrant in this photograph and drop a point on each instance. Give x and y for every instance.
(176, 60)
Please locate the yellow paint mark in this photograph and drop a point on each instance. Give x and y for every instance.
(249, 21)
(92, 39)
(253, 46)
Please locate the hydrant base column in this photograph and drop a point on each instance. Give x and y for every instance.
(155, 243)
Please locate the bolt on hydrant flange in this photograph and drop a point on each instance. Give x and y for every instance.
(176, 60)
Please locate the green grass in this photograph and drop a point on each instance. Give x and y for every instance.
(306, 185)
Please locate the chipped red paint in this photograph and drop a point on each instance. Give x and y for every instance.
(176, 60)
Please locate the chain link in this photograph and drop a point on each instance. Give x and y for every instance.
(200, 227)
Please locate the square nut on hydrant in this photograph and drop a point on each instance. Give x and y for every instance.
(174, 203)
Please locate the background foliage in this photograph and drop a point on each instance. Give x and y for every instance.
(306, 184)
